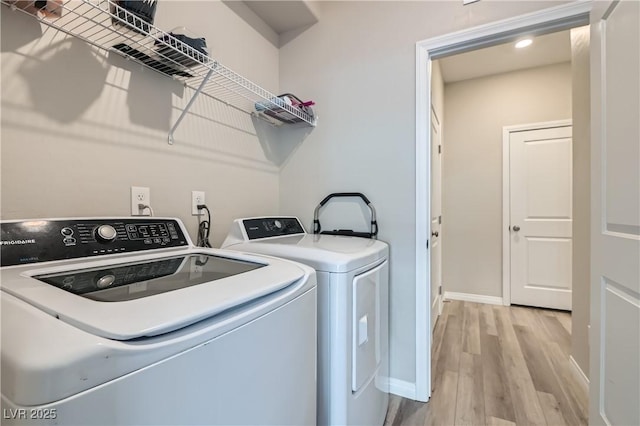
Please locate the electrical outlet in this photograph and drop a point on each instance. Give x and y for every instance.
(197, 197)
(140, 195)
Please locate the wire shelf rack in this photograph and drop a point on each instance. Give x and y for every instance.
(108, 26)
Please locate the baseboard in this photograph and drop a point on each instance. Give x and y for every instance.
(582, 378)
(436, 304)
(402, 388)
(477, 298)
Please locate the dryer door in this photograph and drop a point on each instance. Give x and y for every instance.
(368, 316)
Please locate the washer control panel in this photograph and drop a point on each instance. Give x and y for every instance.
(32, 241)
(266, 227)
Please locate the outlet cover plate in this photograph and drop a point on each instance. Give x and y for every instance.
(140, 195)
(197, 197)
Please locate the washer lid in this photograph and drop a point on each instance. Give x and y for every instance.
(149, 295)
(329, 253)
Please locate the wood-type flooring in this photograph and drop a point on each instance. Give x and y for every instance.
(498, 365)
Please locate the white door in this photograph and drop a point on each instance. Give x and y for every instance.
(615, 214)
(540, 179)
(436, 219)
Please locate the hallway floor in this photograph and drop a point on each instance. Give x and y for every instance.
(498, 365)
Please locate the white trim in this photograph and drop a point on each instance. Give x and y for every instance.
(506, 218)
(423, 229)
(582, 378)
(506, 200)
(548, 20)
(402, 388)
(476, 298)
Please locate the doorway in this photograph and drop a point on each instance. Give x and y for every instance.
(550, 20)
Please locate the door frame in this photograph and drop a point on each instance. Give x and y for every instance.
(506, 199)
(549, 20)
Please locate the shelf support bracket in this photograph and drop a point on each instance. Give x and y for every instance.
(186, 109)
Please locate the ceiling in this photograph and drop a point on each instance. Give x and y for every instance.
(545, 50)
(279, 21)
(283, 16)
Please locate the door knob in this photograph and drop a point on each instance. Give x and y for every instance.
(516, 228)
(434, 234)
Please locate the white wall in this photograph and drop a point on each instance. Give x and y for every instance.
(358, 64)
(475, 112)
(80, 126)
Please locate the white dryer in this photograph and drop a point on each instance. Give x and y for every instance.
(353, 288)
(124, 322)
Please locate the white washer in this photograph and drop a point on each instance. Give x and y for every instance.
(353, 288)
(124, 322)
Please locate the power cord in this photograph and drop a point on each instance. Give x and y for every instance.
(204, 227)
(143, 207)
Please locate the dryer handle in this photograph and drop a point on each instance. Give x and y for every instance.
(374, 223)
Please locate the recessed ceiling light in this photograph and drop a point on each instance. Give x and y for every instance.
(523, 43)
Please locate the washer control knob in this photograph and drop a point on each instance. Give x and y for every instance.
(277, 224)
(105, 233)
(105, 281)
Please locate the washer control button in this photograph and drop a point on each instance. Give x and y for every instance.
(66, 231)
(106, 233)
